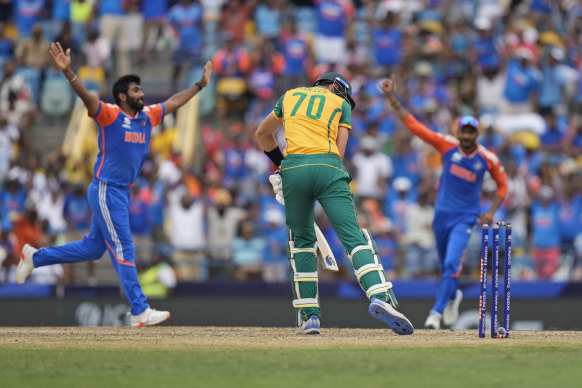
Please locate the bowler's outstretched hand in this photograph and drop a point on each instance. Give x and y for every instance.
(62, 59)
(206, 74)
(388, 86)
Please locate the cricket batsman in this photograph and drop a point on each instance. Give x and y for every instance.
(465, 163)
(317, 122)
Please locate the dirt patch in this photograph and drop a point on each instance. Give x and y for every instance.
(210, 338)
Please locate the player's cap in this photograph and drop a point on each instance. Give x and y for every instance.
(344, 90)
(468, 121)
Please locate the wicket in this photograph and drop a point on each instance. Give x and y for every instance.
(495, 332)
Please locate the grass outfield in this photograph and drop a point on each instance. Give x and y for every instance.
(168, 356)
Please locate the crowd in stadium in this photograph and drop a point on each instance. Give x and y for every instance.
(516, 65)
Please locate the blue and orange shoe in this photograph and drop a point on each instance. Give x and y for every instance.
(383, 311)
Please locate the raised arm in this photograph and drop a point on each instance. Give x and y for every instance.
(63, 61)
(438, 141)
(180, 98)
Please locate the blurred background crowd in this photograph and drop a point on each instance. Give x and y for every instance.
(516, 65)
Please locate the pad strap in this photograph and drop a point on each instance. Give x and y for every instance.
(377, 288)
(305, 277)
(368, 268)
(305, 302)
(360, 248)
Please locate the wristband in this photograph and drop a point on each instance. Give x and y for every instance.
(275, 155)
(199, 85)
(395, 105)
(72, 79)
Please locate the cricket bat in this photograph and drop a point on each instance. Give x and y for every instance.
(323, 251)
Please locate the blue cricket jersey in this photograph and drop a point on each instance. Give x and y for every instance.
(124, 142)
(462, 176)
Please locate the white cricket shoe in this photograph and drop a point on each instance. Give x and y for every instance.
(433, 321)
(26, 265)
(451, 312)
(149, 317)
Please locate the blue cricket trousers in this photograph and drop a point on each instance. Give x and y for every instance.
(109, 231)
(452, 232)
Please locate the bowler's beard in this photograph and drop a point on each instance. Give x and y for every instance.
(135, 103)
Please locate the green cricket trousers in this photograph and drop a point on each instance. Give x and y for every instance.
(322, 177)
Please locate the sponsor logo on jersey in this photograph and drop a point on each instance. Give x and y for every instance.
(457, 157)
(463, 173)
(126, 123)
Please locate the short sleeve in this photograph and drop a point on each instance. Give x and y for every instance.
(278, 110)
(156, 113)
(346, 119)
(106, 114)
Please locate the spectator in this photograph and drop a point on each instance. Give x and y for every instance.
(186, 19)
(28, 13)
(51, 208)
(12, 201)
(387, 43)
(373, 170)
(248, 251)
(333, 19)
(569, 216)
(267, 17)
(155, 19)
(296, 49)
(187, 234)
(421, 258)
(223, 222)
(77, 213)
(552, 95)
(399, 204)
(521, 83)
(60, 14)
(81, 11)
(234, 17)
(231, 64)
(33, 51)
(113, 26)
(546, 233)
(275, 266)
(158, 280)
(6, 45)
(139, 223)
(9, 136)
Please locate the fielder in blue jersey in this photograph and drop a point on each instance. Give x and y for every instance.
(465, 163)
(124, 136)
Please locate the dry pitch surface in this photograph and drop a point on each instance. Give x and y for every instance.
(187, 337)
(170, 356)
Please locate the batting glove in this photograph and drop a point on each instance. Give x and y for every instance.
(277, 184)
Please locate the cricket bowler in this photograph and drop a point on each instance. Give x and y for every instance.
(457, 210)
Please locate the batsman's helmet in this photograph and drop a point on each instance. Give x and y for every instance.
(341, 86)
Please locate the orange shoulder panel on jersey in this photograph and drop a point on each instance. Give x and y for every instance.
(496, 170)
(106, 114)
(442, 143)
(155, 113)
